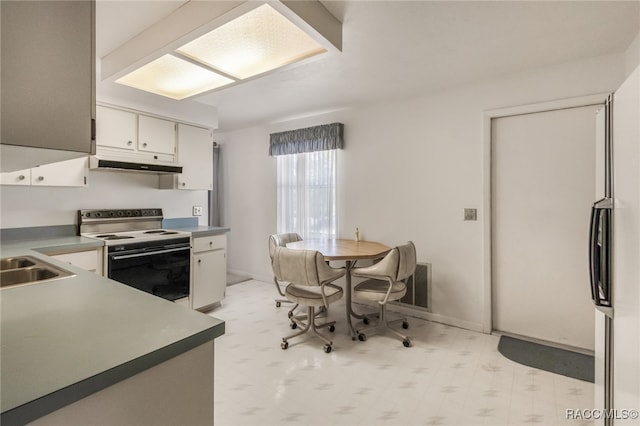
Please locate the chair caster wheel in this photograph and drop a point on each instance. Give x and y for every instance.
(365, 321)
(332, 328)
(293, 325)
(278, 304)
(406, 342)
(327, 348)
(362, 337)
(284, 345)
(290, 314)
(405, 324)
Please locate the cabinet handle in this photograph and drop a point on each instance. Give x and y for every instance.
(144, 145)
(210, 243)
(40, 178)
(129, 143)
(199, 260)
(184, 183)
(21, 177)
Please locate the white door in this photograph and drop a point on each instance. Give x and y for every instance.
(626, 246)
(542, 186)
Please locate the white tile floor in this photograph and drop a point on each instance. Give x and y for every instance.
(449, 376)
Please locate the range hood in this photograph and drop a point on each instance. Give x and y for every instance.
(100, 163)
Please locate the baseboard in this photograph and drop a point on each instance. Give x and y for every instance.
(430, 316)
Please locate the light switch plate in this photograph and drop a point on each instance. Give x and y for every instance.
(197, 210)
(470, 214)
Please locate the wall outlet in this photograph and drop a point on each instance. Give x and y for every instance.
(470, 214)
(197, 210)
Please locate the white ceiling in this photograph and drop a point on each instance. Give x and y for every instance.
(395, 49)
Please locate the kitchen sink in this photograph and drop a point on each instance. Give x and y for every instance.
(24, 270)
(15, 262)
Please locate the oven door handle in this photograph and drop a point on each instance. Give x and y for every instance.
(146, 253)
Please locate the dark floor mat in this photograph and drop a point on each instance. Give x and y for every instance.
(559, 361)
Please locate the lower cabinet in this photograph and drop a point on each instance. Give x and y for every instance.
(209, 270)
(91, 260)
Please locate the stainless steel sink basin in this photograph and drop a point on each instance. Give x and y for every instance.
(15, 262)
(26, 270)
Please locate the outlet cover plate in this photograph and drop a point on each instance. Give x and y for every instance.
(197, 210)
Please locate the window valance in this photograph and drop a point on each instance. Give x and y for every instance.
(310, 139)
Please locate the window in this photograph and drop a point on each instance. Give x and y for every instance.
(307, 179)
(307, 194)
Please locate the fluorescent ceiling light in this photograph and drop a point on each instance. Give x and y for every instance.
(258, 40)
(174, 78)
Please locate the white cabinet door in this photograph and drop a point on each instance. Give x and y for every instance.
(90, 260)
(115, 128)
(19, 177)
(209, 278)
(195, 155)
(156, 135)
(63, 173)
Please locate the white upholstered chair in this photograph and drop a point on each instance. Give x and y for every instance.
(310, 279)
(386, 282)
(281, 240)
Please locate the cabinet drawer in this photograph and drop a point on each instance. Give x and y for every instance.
(84, 259)
(213, 242)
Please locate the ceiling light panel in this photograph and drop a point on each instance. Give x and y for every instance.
(174, 78)
(257, 42)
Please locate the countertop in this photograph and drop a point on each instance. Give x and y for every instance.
(190, 224)
(65, 339)
(202, 231)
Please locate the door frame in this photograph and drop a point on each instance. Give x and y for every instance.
(488, 115)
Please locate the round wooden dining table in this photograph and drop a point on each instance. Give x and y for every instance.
(349, 251)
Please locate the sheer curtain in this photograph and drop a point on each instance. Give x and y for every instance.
(307, 194)
(307, 179)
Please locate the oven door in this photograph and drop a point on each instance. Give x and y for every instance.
(158, 268)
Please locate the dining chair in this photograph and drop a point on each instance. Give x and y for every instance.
(281, 240)
(386, 282)
(310, 283)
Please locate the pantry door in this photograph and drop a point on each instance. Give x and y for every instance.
(542, 188)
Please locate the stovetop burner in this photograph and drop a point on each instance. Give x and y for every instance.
(132, 226)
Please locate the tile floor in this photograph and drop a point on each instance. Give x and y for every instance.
(449, 376)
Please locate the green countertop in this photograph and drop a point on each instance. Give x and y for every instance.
(65, 339)
(202, 231)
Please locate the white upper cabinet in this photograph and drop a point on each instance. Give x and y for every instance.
(156, 135)
(116, 128)
(48, 76)
(128, 135)
(20, 177)
(195, 146)
(63, 173)
(195, 155)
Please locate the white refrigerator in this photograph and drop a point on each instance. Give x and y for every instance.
(614, 257)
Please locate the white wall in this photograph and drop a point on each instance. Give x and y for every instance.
(633, 55)
(43, 206)
(408, 170)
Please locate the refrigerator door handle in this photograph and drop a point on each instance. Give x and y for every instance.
(600, 256)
